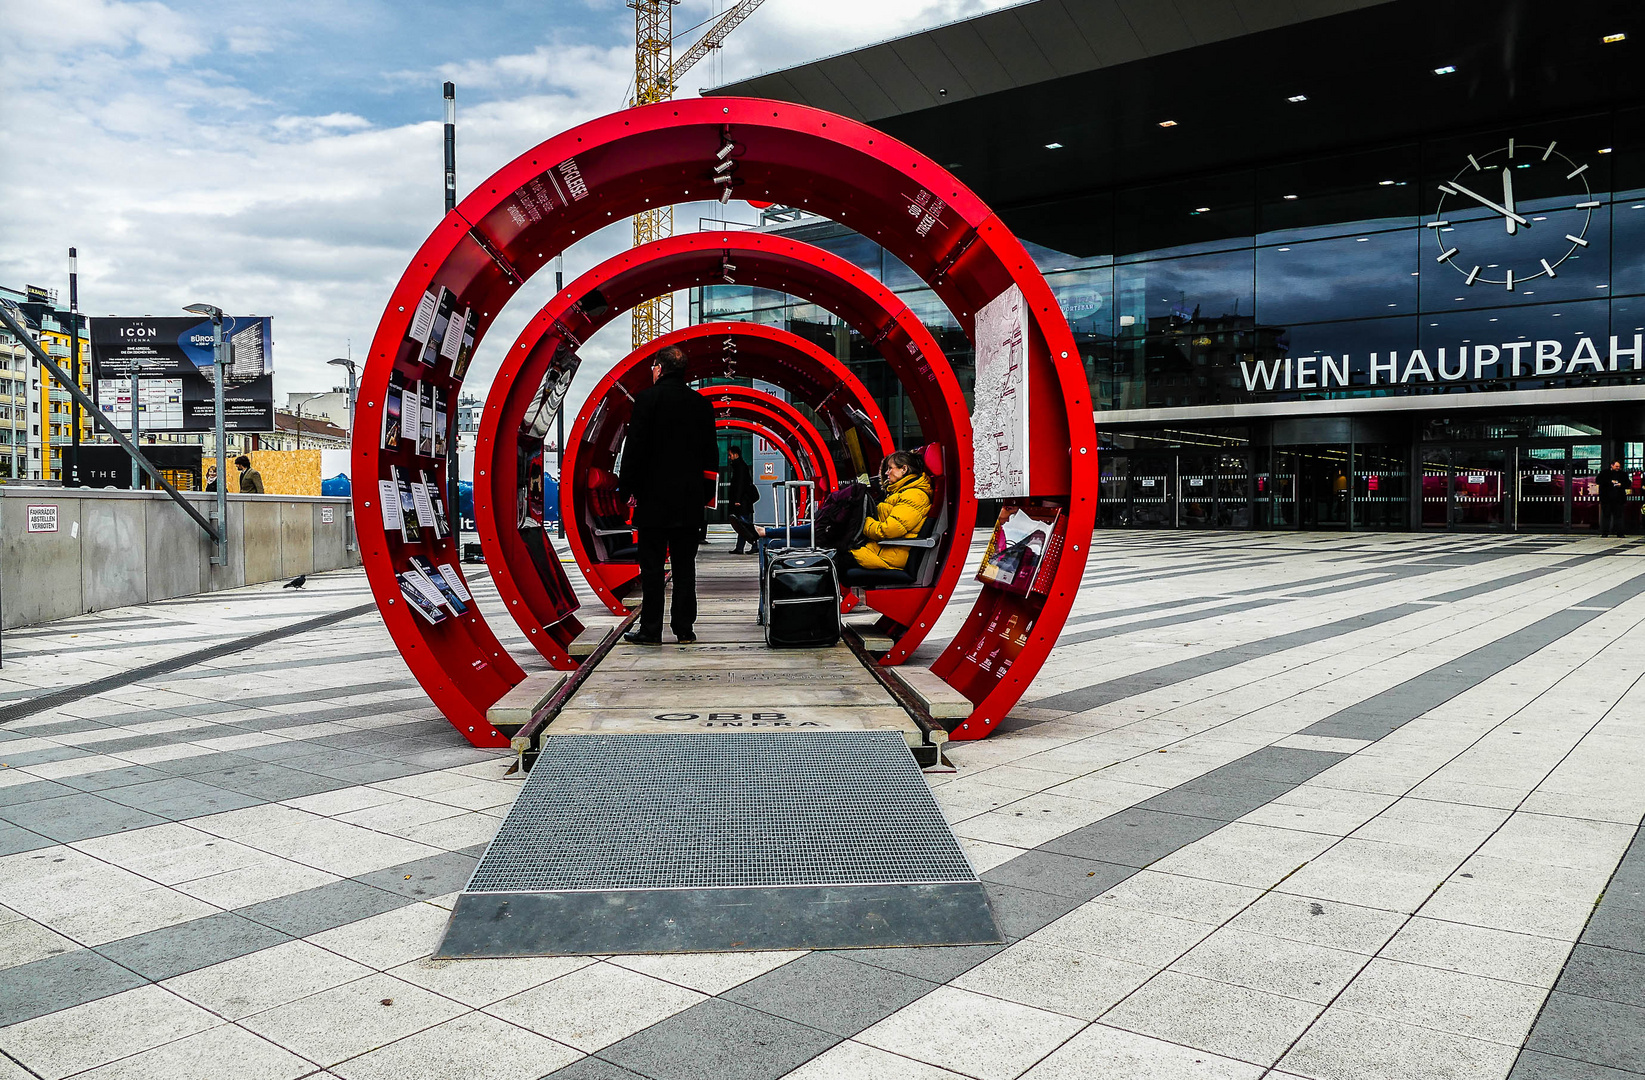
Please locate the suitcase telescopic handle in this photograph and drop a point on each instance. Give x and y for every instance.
(791, 505)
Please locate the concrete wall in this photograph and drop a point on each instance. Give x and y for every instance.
(117, 548)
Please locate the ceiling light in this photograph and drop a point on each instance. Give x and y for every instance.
(1290, 196)
(1053, 146)
(1362, 240)
(1605, 150)
(1446, 70)
(1294, 98)
(1385, 183)
(1282, 249)
(1612, 39)
(1167, 123)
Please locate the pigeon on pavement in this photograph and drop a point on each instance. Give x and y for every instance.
(296, 583)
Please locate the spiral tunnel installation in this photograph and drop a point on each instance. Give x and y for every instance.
(581, 180)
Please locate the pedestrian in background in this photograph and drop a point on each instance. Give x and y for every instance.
(670, 457)
(251, 481)
(742, 494)
(1613, 499)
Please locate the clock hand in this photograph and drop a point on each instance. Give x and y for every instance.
(1508, 198)
(1487, 203)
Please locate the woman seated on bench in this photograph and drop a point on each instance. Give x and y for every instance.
(900, 514)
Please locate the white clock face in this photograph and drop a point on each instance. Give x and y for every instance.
(1513, 215)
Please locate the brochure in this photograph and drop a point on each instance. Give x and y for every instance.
(425, 508)
(1021, 538)
(465, 348)
(422, 321)
(425, 419)
(439, 423)
(455, 580)
(409, 418)
(409, 527)
(413, 590)
(437, 506)
(388, 500)
(430, 355)
(448, 595)
(451, 342)
(393, 409)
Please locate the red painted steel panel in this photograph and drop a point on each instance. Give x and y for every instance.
(583, 179)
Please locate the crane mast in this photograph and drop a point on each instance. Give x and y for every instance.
(653, 63)
(656, 74)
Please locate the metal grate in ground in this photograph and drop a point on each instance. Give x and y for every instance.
(665, 811)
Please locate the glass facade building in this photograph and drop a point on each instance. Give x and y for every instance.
(1439, 331)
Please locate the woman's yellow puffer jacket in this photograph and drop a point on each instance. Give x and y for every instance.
(900, 516)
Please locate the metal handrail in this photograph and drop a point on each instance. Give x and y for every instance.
(11, 316)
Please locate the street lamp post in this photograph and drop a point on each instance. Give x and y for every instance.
(344, 362)
(453, 479)
(216, 315)
(136, 469)
(71, 470)
(299, 425)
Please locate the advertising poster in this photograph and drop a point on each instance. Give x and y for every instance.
(175, 373)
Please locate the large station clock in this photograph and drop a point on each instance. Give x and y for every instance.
(1513, 214)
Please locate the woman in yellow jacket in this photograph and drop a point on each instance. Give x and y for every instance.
(900, 516)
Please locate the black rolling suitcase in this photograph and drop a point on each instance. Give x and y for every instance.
(802, 593)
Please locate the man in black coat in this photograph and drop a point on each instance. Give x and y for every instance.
(670, 459)
(1613, 499)
(742, 495)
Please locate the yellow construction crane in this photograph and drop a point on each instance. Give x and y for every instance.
(656, 74)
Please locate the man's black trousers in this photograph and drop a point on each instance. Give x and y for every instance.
(656, 544)
(1610, 519)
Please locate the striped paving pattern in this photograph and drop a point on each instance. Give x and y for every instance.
(1288, 805)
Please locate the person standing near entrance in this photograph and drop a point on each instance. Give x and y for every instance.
(742, 495)
(670, 454)
(1613, 499)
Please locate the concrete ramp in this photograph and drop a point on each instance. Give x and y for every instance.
(738, 840)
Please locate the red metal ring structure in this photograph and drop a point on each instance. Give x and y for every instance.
(763, 260)
(754, 427)
(772, 354)
(783, 431)
(597, 173)
(812, 466)
(732, 398)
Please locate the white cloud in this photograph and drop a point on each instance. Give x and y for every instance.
(128, 133)
(336, 121)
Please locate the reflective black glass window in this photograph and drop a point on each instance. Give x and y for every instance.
(1342, 278)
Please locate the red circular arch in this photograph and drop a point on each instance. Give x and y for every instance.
(759, 259)
(811, 466)
(766, 352)
(600, 172)
(739, 423)
(817, 465)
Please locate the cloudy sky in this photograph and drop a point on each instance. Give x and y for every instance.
(284, 159)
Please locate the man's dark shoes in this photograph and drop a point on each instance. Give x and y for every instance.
(686, 639)
(634, 637)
